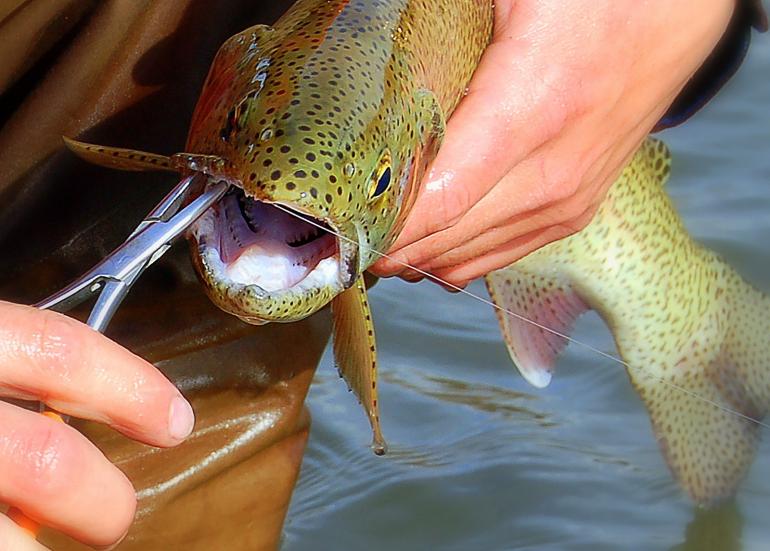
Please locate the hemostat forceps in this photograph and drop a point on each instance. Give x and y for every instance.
(116, 273)
(113, 277)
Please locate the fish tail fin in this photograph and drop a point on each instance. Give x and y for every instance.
(119, 158)
(355, 353)
(687, 327)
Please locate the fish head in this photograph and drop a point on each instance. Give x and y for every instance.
(323, 162)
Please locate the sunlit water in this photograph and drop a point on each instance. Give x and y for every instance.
(480, 460)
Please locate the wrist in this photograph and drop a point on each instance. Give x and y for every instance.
(720, 65)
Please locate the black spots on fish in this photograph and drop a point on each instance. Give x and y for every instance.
(291, 186)
(275, 175)
(314, 193)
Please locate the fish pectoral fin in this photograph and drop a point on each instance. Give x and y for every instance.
(355, 352)
(544, 300)
(118, 157)
(432, 124)
(708, 440)
(431, 129)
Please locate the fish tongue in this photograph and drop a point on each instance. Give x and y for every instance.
(268, 264)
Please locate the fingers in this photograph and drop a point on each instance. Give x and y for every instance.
(58, 478)
(462, 274)
(537, 193)
(52, 358)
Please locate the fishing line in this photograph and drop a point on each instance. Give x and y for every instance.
(514, 315)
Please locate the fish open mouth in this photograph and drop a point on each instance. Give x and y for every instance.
(268, 248)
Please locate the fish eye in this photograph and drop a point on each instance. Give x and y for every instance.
(381, 177)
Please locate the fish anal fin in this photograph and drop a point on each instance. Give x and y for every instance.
(355, 352)
(704, 419)
(544, 300)
(119, 158)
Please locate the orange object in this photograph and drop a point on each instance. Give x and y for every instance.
(24, 522)
(53, 415)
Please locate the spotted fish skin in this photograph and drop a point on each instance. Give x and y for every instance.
(304, 113)
(307, 113)
(693, 332)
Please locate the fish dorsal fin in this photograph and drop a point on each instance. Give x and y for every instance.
(119, 158)
(355, 352)
(547, 302)
(690, 331)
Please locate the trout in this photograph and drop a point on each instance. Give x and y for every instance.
(324, 125)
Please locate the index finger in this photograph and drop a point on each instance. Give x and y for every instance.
(55, 359)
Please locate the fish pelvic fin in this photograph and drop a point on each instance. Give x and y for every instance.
(355, 353)
(532, 347)
(119, 158)
(691, 332)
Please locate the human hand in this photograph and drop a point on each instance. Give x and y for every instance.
(562, 97)
(49, 470)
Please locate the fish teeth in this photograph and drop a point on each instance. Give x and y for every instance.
(245, 209)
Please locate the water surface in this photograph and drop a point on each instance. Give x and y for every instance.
(479, 460)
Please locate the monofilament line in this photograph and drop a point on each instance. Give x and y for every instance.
(527, 320)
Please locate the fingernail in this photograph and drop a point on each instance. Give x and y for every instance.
(114, 545)
(412, 276)
(181, 418)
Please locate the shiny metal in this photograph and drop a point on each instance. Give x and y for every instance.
(113, 277)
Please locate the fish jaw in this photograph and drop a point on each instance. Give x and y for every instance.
(268, 261)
